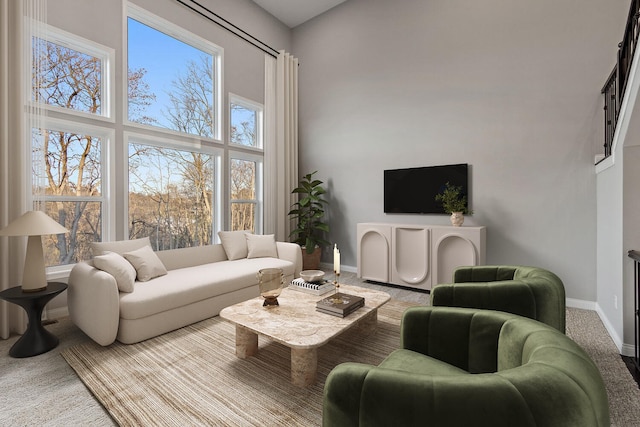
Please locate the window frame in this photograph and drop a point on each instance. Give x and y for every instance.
(259, 110)
(116, 132)
(107, 178)
(259, 200)
(107, 57)
(217, 153)
(179, 33)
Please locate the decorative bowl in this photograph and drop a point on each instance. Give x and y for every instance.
(312, 275)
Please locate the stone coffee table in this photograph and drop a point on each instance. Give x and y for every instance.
(296, 324)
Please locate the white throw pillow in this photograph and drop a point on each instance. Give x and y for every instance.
(119, 247)
(146, 263)
(119, 268)
(260, 246)
(234, 244)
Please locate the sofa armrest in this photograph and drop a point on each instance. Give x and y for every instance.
(291, 252)
(94, 303)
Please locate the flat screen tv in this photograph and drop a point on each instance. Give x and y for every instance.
(414, 190)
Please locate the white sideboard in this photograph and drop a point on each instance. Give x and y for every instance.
(417, 256)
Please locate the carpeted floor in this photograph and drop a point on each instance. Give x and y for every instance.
(44, 390)
(192, 376)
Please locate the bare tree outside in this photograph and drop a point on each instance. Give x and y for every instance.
(243, 195)
(171, 191)
(191, 99)
(71, 175)
(243, 172)
(170, 196)
(243, 126)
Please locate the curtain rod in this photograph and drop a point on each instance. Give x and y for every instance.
(235, 29)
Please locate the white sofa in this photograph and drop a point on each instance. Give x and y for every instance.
(199, 282)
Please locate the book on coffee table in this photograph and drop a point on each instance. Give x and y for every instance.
(316, 288)
(340, 304)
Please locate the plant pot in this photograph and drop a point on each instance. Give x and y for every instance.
(311, 261)
(457, 218)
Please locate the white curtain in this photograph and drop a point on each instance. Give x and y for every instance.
(18, 20)
(281, 142)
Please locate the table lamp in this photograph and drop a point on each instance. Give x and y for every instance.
(33, 224)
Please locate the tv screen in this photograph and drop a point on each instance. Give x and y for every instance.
(414, 190)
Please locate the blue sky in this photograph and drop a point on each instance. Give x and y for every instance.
(164, 58)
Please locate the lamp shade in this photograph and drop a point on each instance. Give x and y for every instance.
(33, 224)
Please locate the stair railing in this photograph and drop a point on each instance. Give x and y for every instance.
(615, 85)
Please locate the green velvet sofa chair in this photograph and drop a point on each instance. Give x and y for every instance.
(470, 367)
(528, 291)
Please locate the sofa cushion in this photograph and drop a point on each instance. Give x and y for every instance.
(119, 247)
(259, 246)
(234, 244)
(185, 286)
(146, 263)
(192, 256)
(119, 268)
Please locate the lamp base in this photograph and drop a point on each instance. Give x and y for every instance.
(27, 290)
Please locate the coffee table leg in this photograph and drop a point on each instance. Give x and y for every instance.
(246, 342)
(369, 323)
(304, 364)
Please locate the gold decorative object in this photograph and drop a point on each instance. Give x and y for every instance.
(336, 282)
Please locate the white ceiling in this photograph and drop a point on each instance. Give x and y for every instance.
(295, 12)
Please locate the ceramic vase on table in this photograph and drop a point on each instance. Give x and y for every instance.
(457, 218)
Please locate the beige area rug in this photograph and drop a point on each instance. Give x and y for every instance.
(192, 377)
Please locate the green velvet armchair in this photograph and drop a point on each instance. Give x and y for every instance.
(469, 367)
(528, 291)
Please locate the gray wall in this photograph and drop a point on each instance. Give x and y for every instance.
(512, 88)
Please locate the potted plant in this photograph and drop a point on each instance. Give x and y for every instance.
(308, 213)
(455, 203)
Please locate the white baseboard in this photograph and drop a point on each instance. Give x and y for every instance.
(623, 349)
(620, 345)
(582, 304)
(628, 350)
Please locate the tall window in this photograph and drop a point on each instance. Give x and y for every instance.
(71, 76)
(172, 179)
(71, 188)
(171, 196)
(166, 141)
(180, 77)
(245, 168)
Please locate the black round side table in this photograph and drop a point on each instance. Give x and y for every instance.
(36, 339)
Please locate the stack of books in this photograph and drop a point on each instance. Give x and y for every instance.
(316, 288)
(340, 304)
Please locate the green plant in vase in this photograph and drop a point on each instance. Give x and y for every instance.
(308, 213)
(454, 202)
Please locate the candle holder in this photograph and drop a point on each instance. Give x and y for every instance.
(336, 299)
